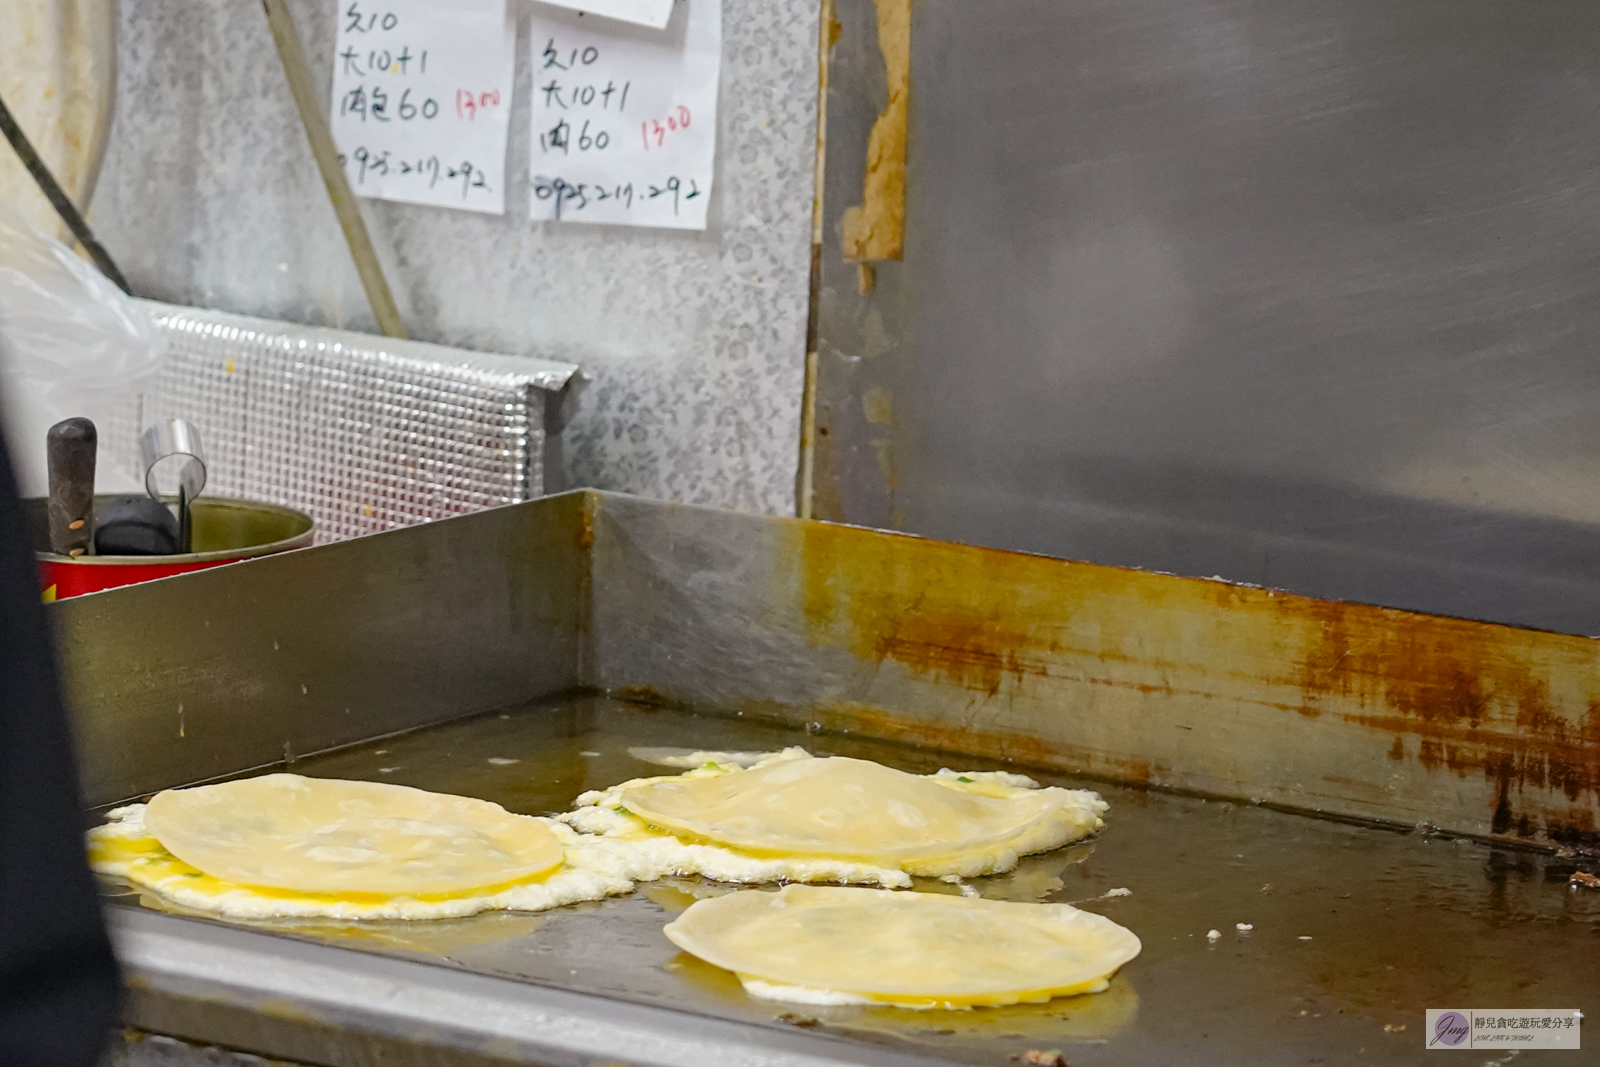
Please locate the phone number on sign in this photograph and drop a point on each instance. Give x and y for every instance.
(428, 169)
(565, 196)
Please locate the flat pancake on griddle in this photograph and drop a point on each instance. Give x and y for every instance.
(324, 835)
(837, 806)
(848, 945)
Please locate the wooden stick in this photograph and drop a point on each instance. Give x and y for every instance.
(58, 198)
(298, 74)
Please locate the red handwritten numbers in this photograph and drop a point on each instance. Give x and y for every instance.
(469, 103)
(659, 128)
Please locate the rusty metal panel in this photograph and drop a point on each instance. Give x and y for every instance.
(1150, 678)
(1177, 682)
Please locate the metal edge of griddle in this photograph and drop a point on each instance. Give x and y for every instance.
(335, 1007)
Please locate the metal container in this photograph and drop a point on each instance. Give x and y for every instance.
(225, 531)
(1268, 758)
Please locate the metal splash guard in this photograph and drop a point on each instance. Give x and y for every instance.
(363, 433)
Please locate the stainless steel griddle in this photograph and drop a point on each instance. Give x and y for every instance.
(564, 632)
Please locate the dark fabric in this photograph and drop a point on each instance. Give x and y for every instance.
(58, 980)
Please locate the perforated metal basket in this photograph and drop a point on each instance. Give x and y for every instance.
(363, 433)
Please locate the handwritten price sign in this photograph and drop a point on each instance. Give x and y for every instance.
(422, 100)
(625, 117)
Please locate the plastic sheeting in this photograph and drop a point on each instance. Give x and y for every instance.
(70, 344)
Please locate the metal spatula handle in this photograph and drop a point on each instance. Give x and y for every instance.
(175, 464)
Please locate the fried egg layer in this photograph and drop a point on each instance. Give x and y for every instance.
(833, 945)
(1040, 820)
(591, 868)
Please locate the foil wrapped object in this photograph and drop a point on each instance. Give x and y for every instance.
(364, 433)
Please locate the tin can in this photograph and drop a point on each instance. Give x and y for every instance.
(225, 531)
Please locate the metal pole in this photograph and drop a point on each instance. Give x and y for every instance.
(805, 498)
(58, 198)
(293, 55)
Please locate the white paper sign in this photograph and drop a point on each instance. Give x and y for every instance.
(625, 118)
(645, 12)
(422, 100)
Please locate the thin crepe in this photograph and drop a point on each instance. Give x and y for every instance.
(323, 835)
(912, 949)
(837, 806)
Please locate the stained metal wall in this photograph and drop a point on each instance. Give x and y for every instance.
(1249, 693)
(1298, 293)
(1069, 667)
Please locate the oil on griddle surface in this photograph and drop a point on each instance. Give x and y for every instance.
(1355, 930)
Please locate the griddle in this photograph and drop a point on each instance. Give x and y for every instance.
(564, 632)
